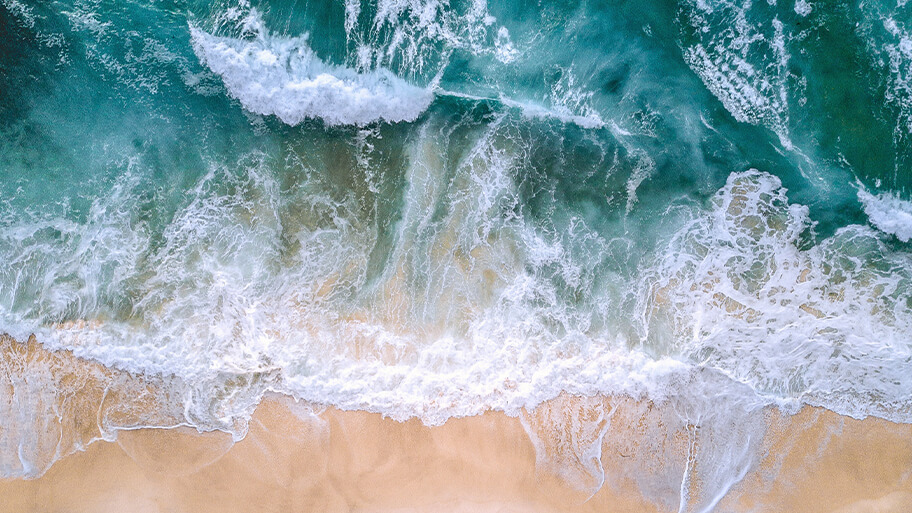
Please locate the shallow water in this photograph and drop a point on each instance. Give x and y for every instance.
(433, 209)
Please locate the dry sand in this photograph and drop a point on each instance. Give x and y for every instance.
(299, 459)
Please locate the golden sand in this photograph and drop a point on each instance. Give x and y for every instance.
(356, 461)
(301, 458)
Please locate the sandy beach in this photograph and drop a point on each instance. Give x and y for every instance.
(309, 458)
(355, 461)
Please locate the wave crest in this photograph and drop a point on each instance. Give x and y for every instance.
(280, 76)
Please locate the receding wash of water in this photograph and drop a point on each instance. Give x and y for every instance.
(435, 210)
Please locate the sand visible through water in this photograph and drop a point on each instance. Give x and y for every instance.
(595, 454)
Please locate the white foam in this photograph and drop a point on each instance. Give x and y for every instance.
(531, 110)
(744, 65)
(888, 212)
(536, 111)
(889, 42)
(504, 51)
(569, 99)
(471, 310)
(279, 76)
(20, 11)
(417, 26)
(566, 102)
(803, 8)
(826, 326)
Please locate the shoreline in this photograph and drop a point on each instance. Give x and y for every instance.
(569, 454)
(355, 461)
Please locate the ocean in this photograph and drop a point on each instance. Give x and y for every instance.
(431, 209)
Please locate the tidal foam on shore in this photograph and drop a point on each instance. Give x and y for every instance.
(660, 254)
(568, 454)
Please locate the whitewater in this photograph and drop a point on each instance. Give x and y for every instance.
(431, 210)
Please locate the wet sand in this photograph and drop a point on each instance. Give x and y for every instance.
(355, 461)
(595, 454)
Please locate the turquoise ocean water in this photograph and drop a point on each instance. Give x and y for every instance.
(431, 209)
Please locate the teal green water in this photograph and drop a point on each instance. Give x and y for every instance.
(378, 204)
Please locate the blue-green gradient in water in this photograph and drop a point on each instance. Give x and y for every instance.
(429, 208)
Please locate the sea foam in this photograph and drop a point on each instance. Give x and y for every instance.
(828, 325)
(734, 314)
(282, 76)
(888, 213)
(744, 64)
